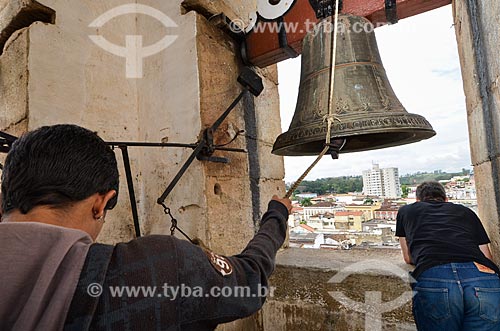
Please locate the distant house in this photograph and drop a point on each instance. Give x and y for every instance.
(322, 221)
(320, 208)
(306, 195)
(325, 197)
(296, 216)
(388, 211)
(325, 204)
(349, 220)
(386, 214)
(368, 210)
(412, 193)
(376, 226)
(305, 236)
(345, 198)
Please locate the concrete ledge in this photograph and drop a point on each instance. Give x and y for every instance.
(332, 290)
(334, 260)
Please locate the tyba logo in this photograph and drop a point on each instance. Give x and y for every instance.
(134, 52)
(373, 307)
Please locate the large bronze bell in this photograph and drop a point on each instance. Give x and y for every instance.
(367, 113)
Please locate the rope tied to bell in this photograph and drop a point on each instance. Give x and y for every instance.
(330, 118)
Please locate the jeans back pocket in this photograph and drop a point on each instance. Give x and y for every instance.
(431, 303)
(489, 303)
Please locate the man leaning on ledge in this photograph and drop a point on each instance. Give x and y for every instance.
(57, 185)
(457, 284)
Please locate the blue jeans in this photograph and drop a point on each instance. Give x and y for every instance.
(457, 297)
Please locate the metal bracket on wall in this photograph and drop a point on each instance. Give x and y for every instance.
(391, 11)
(203, 149)
(251, 83)
(324, 8)
(283, 39)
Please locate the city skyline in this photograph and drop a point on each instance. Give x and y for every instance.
(401, 174)
(421, 59)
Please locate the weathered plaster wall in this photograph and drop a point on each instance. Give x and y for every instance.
(476, 24)
(219, 70)
(237, 194)
(169, 110)
(14, 84)
(230, 185)
(71, 80)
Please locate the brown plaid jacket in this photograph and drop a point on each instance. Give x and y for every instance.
(158, 261)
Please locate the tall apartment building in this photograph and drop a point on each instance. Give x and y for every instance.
(382, 182)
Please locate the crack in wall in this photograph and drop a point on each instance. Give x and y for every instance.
(12, 126)
(253, 156)
(488, 160)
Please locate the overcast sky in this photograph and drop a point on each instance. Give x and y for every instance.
(421, 59)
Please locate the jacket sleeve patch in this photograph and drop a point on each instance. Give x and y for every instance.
(220, 263)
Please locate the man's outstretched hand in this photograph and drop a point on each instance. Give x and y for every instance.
(285, 201)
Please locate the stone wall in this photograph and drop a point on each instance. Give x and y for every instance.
(54, 73)
(14, 84)
(476, 24)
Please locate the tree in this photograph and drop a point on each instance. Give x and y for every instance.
(306, 202)
(368, 201)
(405, 190)
(337, 185)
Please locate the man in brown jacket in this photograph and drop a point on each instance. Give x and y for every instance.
(57, 184)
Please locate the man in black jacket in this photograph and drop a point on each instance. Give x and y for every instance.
(57, 184)
(457, 286)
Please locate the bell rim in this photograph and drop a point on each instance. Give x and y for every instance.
(421, 128)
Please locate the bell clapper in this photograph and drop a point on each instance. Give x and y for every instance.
(335, 147)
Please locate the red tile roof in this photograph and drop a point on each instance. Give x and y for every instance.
(388, 209)
(324, 204)
(307, 227)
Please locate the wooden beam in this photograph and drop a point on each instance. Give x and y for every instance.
(262, 44)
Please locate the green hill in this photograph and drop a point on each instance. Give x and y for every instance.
(346, 184)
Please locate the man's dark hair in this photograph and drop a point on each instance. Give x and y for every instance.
(56, 166)
(431, 191)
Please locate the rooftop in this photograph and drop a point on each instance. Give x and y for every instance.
(323, 204)
(307, 227)
(349, 213)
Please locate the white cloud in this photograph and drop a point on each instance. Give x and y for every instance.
(421, 59)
